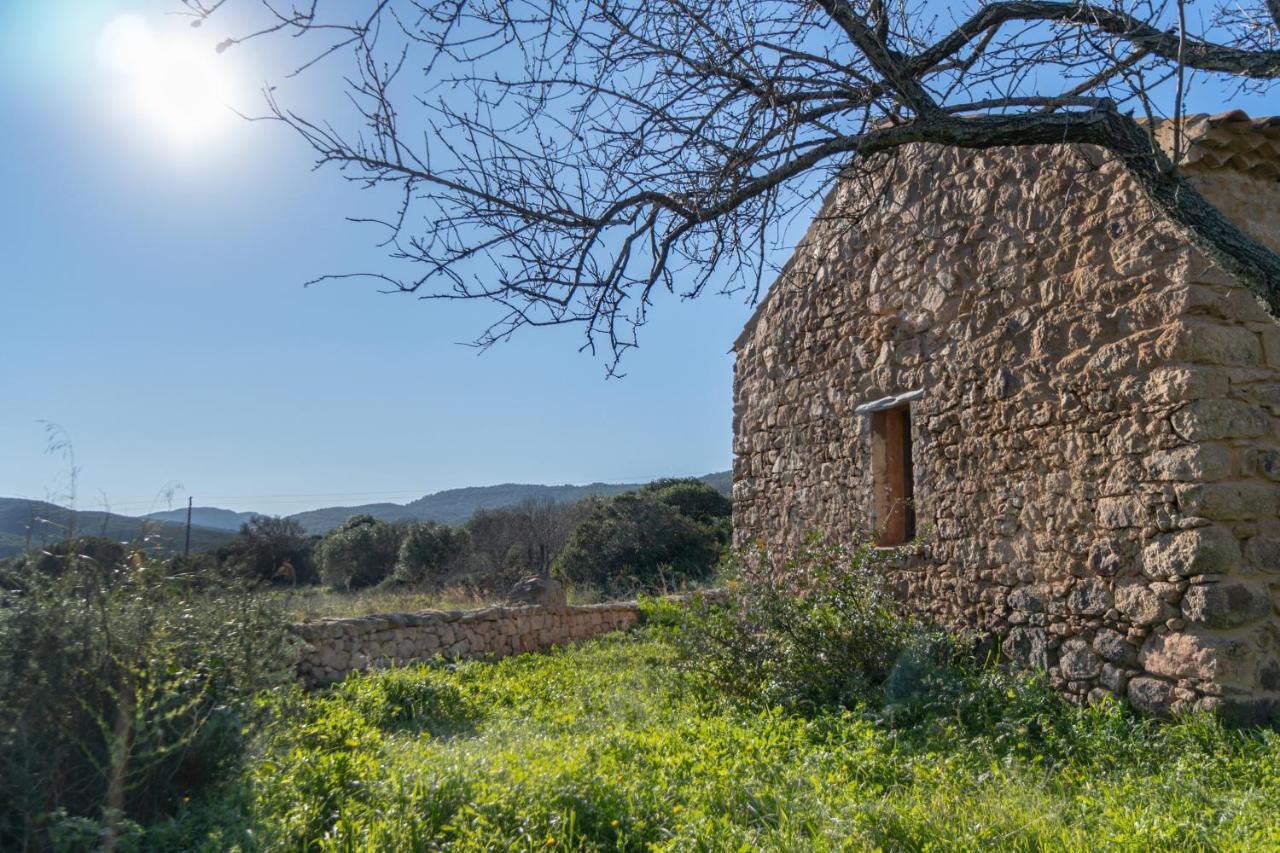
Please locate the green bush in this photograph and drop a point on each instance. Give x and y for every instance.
(817, 631)
(272, 550)
(124, 689)
(360, 552)
(645, 541)
(692, 498)
(428, 552)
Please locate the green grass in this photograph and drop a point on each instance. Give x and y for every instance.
(309, 603)
(598, 747)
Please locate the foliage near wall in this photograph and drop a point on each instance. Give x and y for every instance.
(124, 690)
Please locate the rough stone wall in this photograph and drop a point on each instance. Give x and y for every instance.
(1096, 448)
(333, 648)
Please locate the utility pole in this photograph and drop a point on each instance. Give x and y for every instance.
(186, 548)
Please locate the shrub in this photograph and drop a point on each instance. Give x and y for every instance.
(636, 542)
(272, 550)
(693, 499)
(359, 552)
(819, 630)
(428, 552)
(123, 690)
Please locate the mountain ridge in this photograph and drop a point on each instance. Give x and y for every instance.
(24, 520)
(214, 526)
(454, 506)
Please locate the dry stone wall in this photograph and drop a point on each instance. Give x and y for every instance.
(333, 648)
(1097, 447)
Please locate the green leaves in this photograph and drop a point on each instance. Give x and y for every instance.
(815, 632)
(601, 748)
(660, 538)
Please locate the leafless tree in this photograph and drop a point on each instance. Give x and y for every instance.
(522, 538)
(569, 159)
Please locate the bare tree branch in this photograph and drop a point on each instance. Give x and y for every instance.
(568, 159)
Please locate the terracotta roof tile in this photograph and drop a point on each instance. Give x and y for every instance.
(1229, 140)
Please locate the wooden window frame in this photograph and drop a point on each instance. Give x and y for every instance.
(893, 477)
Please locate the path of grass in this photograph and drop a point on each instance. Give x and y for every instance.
(597, 748)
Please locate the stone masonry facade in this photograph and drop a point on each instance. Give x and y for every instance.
(1096, 449)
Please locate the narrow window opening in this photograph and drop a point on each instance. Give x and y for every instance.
(895, 512)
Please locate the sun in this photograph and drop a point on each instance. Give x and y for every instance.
(178, 87)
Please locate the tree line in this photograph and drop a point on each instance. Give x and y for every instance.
(666, 534)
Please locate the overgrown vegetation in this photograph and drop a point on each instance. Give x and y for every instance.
(811, 715)
(125, 685)
(661, 537)
(599, 747)
(427, 552)
(271, 549)
(816, 631)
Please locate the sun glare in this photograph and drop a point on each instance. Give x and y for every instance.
(178, 87)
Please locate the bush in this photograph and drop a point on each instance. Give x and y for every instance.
(817, 631)
(359, 552)
(272, 550)
(123, 690)
(429, 551)
(693, 499)
(636, 542)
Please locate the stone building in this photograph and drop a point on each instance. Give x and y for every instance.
(1011, 356)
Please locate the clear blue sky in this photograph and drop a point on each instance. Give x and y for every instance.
(152, 306)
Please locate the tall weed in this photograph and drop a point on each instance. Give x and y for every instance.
(124, 690)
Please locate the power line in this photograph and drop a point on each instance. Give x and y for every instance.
(265, 498)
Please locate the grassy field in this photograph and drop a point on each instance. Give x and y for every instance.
(310, 603)
(598, 747)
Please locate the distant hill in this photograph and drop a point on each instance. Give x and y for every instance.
(454, 506)
(206, 516)
(213, 526)
(49, 523)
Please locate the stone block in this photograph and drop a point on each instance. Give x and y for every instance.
(1199, 551)
(1227, 604)
(1151, 695)
(1078, 661)
(1201, 420)
(1192, 462)
(1228, 501)
(1028, 647)
(1090, 597)
(1105, 558)
(1142, 606)
(1030, 599)
(1265, 461)
(1196, 654)
(1262, 552)
(1112, 646)
(1113, 678)
(1207, 342)
(1267, 394)
(1178, 384)
(1271, 345)
(1120, 512)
